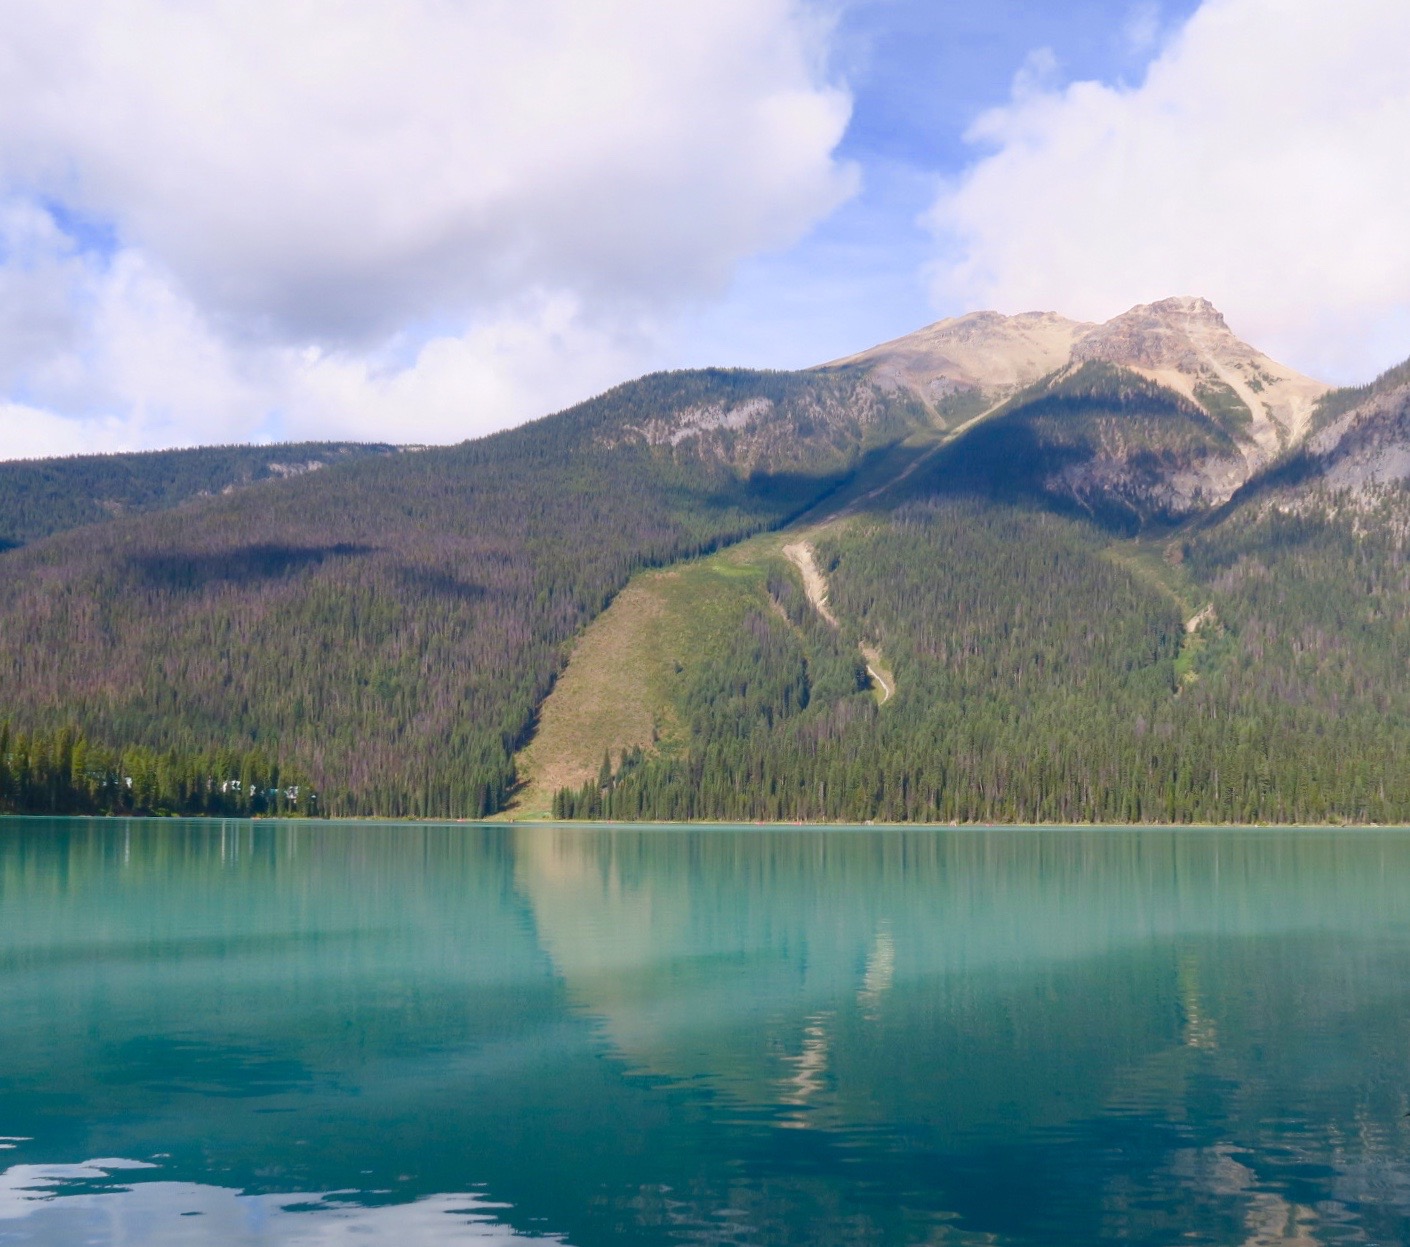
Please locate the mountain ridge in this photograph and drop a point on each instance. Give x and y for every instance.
(395, 627)
(1183, 343)
(951, 375)
(985, 350)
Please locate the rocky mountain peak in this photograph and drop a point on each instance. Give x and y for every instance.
(1182, 343)
(1173, 333)
(1186, 344)
(1186, 306)
(982, 351)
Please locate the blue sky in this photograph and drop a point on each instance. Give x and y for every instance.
(919, 73)
(425, 221)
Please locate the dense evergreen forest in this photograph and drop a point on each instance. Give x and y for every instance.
(389, 626)
(62, 773)
(1040, 679)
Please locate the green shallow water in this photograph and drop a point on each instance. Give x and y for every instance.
(236, 1033)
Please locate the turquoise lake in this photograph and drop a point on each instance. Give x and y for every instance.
(237, 1033)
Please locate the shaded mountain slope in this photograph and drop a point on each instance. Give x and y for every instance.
(1095, 440)
(1368, 445)
(1336, 403)
(1185, 344)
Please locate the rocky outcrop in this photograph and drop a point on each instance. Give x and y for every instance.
(1154, 337)
(1185, 344)
(761, 422)
(1368, 446)
(1150, 485)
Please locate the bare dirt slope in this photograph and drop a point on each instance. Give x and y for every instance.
(881, 675)
(623, 683)
(800, 554)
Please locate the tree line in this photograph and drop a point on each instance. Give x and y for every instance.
(62, 772)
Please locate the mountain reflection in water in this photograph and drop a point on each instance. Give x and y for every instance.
(289, 1033)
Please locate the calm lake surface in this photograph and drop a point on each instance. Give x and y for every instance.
(236, 1033)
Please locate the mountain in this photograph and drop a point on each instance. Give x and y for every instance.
(1182, 344)
(1155, 414)
(1005, 568)
(1368, 445)
(942, 378)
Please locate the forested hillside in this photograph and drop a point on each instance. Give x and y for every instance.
(43, 496)
(1063, 647)
(1070, 605)
(1044, 675)
(390, 627)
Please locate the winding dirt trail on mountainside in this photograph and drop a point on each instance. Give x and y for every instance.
(873, 659)
(800, 554)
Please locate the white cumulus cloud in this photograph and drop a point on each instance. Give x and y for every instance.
(1264, 162)
(419, 220)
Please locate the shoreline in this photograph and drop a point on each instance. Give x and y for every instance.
(700, 824)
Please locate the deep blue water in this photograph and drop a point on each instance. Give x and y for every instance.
(236, 1033)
